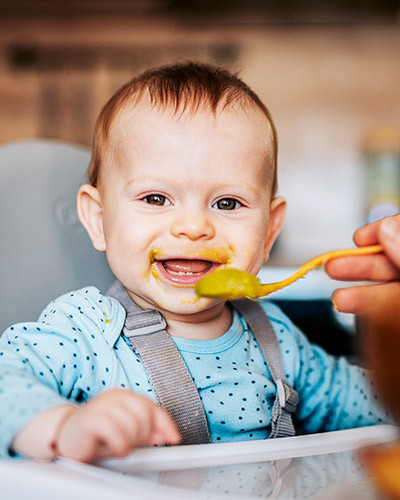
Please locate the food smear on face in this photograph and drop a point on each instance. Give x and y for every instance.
(190, 300)
(190, 266)
(154, 271)
(228, 284)
(222, 255)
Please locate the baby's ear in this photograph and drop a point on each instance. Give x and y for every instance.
(90, 212)
(277, 217)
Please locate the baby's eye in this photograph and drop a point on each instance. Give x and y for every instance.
(227, 204)
(157, 199)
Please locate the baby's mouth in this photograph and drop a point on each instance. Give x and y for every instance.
(184, 272)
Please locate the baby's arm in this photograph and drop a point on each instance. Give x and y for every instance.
(109, 425)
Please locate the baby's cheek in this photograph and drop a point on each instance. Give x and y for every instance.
(254, 252)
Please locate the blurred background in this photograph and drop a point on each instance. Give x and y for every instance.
(328, 71)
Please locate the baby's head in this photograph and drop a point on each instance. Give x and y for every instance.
(183, 88)
(182, 181)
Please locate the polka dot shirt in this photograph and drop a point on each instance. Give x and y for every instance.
(76, 350)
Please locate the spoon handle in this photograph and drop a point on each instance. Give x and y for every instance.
(316, 262)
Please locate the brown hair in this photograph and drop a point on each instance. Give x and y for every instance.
(181, 86)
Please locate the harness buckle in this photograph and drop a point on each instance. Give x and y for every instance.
(287, 396)
(144, 323)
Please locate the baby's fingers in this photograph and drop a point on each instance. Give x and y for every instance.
(164, 429)
(142, 421)
(154, 423)
(89, 440)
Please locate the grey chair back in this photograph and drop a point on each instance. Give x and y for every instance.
(44, 250)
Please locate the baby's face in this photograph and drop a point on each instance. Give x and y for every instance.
(184, 196)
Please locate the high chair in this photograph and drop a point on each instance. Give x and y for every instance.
(44, 250)
(44, 253)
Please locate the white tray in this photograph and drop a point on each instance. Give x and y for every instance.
(206, 455)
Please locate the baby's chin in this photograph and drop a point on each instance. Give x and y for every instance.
(182, 301)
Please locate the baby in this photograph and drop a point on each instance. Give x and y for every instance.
(182, 181)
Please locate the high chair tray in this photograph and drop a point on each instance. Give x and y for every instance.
(191, 456)
(318, 466)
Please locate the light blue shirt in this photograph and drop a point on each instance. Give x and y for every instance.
(76, 351)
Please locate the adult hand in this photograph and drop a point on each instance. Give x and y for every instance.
(383, 268)
(378, 305)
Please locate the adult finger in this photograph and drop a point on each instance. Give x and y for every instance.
(389, 236)
(370, 234)
(361, 300)
(375, 267)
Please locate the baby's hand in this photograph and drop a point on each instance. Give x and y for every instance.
(112, 425)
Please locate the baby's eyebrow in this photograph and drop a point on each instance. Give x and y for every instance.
(233, 190)
(147, 180)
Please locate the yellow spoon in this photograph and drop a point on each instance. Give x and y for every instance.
(234, 284)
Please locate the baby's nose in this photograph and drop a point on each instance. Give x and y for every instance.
(193, 225)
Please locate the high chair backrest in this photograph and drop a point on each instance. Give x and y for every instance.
(44, 250)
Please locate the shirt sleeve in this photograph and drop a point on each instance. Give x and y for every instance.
(42, 364)
(334, 394)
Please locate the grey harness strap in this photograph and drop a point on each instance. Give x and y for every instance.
(167, 372)
(171, 380)
(287, 398)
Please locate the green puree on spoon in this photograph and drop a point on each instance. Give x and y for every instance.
(232, 284)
